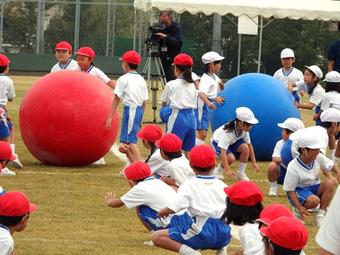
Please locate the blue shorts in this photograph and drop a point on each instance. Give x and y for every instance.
(296, 96)
(305, 192)
(317, 110)
(164, 113)
(183, 124)
(231, 149)
(4, 129)
(203, 117)
(150, 217)
(131, 123)
(205, 233)
(282, 175)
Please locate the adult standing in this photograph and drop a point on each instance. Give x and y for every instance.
(333, 55)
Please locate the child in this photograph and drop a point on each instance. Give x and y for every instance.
(285, 235)
(208, 89)
(148, 195)
(132, 90)
(6, 155)
(149, 135)
(302, 182)
(233, 140)
(283, 153)
(179, 169)
(63, 53)
(85, 57)
(15, 210)
(288, 73)
(244, 205)
(204, 200)
(312, 75)
(183, 100)
(332, 100)
(7, 94)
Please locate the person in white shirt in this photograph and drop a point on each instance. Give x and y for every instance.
(15, 209)
(148, 195)
(302, 182)
(204, 199)
(283, 153)
(179, 169)
(132, 90)
(310, 84)
(63, 54)
(182, 98)
(209, 86)
(332, 100)
(244, 205)
(328, 237)
(288, 73)
(231, 141)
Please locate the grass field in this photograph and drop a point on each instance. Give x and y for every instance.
(73, 218)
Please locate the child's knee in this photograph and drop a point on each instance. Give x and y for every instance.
(244, 149)
(312, 202)
(273, 168)
(231, 158)
(156, 237)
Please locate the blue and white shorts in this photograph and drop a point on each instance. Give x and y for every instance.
(231, 149)
(131, 123)
(204, 233)
(203, 115)
(164, 113)
(5, 128)
(304, 192)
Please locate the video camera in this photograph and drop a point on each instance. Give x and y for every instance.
(152, 41)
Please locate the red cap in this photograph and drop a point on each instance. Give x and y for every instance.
(63, 45)
(137, 171)
(86, 51)
(170, 143)
(183, 60)
(274, 211)
(150, 133)
(202, 156)
(244, 193)
(15, 203)
(6, 151)
(4, 61)
(287, 232)
(131, 57)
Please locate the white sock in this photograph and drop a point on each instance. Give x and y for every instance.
(242, 168)
(331, 154)
(222, 251)
(321, 211)
(186, 250)
(336, 160)
(273, 184)
(12, 147)
(199, 141)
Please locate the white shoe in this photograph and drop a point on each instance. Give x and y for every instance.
(218, 173)
(148, 243)
(319, 217)
(115, 151)
(297, 214)
(99, 162)
(2, 191)
(272, 192)
(222, 251)
(16, 163)
(6, 172)
(241, 177)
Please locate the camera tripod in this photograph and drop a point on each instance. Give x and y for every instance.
(153, 60)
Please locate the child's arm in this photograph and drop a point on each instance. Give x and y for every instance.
(115, 103)
(164, 212)
(143, 106)
(168, 181)
(303, 211)
(309, 106)
(225, 163)
(291, 85)
(277, 160)
(111, 84)
(113, 201)
(205, 99)
(253, 158)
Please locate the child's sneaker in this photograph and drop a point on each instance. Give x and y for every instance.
(319, 217)
(241, 176)
(6, 172)
(16, 162)
(272, 192)
(100, 161)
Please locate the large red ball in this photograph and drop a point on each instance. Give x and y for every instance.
(62, 119)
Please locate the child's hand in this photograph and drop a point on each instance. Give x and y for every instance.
(162, 213)
(256, 167)
(219, 100)
(303, 212)
(211, 106)
(109, 198)
(302, 93)
(108, 123)
(315, 116)
(230, 173)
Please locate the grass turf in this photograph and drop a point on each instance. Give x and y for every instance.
(72, 217)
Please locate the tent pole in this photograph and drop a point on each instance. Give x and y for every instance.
(260, 45)
(239, 54)
(134, 29)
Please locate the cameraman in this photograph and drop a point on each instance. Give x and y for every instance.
(170, 43)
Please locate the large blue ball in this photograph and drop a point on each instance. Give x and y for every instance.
(267, 98)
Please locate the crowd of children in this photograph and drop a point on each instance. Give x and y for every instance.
(178, 190)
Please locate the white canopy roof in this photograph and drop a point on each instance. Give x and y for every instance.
(292, 9)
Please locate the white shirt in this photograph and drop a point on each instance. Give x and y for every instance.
(277, 149)
(328, 236)
(224, 139)
(180, 170)
(293, 75)
(209, 85)
(300, 175)
(151, 192)
(317, 94)
(331, 100)
(94, 71)
(181, 95)
(6, 89)
(71, 65)
(202, 196)
(251, 240)
(6, 242)
(132, 89)
(158, 165)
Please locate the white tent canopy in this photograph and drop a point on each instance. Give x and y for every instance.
(292, 9)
